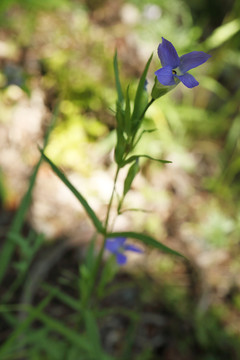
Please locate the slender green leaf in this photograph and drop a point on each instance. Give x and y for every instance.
(93, 337)
(90, 256)
(146, 239)
(108, 273)
(9, 346)
(117, 80)
(134, 157)
(120, 117)
(132, 172)
(85, 284)
(62, 296)
(127, 121)
(86, 272)
(141, 93)
(96, 222)
(120, 148)
(6, 314)
(73, 336)
(93, 333)
(141, 134)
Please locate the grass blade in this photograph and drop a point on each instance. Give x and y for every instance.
(134, 157)
(96, 222)
(93, 333)
(8, 346)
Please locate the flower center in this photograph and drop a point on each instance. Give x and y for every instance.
(177, 72)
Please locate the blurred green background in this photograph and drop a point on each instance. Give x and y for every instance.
(60, 52)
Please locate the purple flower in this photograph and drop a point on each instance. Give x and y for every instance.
(117, 247)
(175, 68)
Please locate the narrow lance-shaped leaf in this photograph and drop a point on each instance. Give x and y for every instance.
(146, 239)
(141, 135)
(96, 222)
(22, 327)
(92, 333)
(127, 119)
(132, 172)
(121, 141)
(120, 117)
(140, 98)
(117, 80)
(134, 157)
(120, 148)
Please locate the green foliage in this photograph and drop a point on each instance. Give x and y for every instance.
(140, 101)
(33, 5)
(201, 126)
(134, 157)
(11, 345)
(93, 337)
(223, 33)
(127, 124)
(117, 80)
(132, 172)
(107, 275)
(96, 222)
(87, 275)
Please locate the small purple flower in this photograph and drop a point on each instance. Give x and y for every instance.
(175, 68)
(117, 247)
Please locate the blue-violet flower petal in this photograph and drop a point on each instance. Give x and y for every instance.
(168, 54)
(175, 68)
(121, 259)
(165, 76)
(132, 248)
(115, 244)
(192, 60)
(117, 247)
(188, 80)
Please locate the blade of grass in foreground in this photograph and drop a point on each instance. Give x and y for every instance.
(8, 248)
(8, 347)
(60, 328)
(96, 222)
(63, 297)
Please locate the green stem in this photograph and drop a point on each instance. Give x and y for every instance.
(147, 106)
(141, 117)
(100, 255)
(111, 199)
(106, 224)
